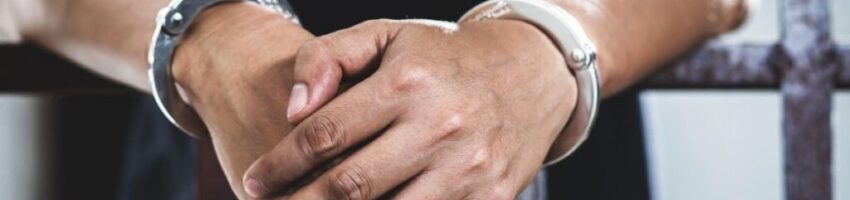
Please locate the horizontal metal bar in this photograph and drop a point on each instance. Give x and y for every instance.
(737, 66)
(720, 66)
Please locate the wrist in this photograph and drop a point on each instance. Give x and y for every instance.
(528, 33)
(225, 31)
(571, 86)
(578, 52)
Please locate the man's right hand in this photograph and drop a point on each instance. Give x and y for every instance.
(235, 69)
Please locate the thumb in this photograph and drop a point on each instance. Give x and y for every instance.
(322, 62)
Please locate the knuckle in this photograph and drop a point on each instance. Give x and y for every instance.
(452, 122)
(410, 80)
(449, 127)
(313, 51)
(479, 162)
(322, 136)
(313, 46)
(352, 184)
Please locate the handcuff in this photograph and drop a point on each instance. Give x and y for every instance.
(171, 22)
(560, 26)
(579, 52)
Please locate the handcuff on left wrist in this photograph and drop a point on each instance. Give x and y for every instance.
(171, 22)
(580, 53)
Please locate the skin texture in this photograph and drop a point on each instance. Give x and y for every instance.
(454, 124)
(633, 38)
(442, 103)
(456, 107)
(237, 76)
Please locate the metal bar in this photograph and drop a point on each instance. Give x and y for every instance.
(720, 66)
(807, 98)
(736, 66)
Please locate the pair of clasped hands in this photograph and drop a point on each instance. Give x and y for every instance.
(429, 110)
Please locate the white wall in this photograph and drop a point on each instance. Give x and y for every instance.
(841, 145)
(23, 148)
(713, 145)
(727, 144)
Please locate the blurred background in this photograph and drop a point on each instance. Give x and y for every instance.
(697, 144)
(727, 144)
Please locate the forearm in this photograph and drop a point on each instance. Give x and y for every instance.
(110, 37)
(635, 37)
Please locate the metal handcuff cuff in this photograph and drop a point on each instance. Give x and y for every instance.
(171, 22)
(578, 50)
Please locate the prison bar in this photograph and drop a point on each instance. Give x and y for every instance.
(806, 65)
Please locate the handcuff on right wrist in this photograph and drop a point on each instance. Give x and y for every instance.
(579, 52)
(171, 22)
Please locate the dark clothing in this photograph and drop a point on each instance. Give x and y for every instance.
(159, 160)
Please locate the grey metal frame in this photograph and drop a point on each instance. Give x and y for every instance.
(806, 65)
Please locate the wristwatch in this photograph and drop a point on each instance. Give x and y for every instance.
(171, 22)
(579, 52)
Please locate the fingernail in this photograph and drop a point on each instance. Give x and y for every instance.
(254, 188)
(297, 100)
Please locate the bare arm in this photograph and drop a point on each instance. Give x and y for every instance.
(108, 37)
(635, 37)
